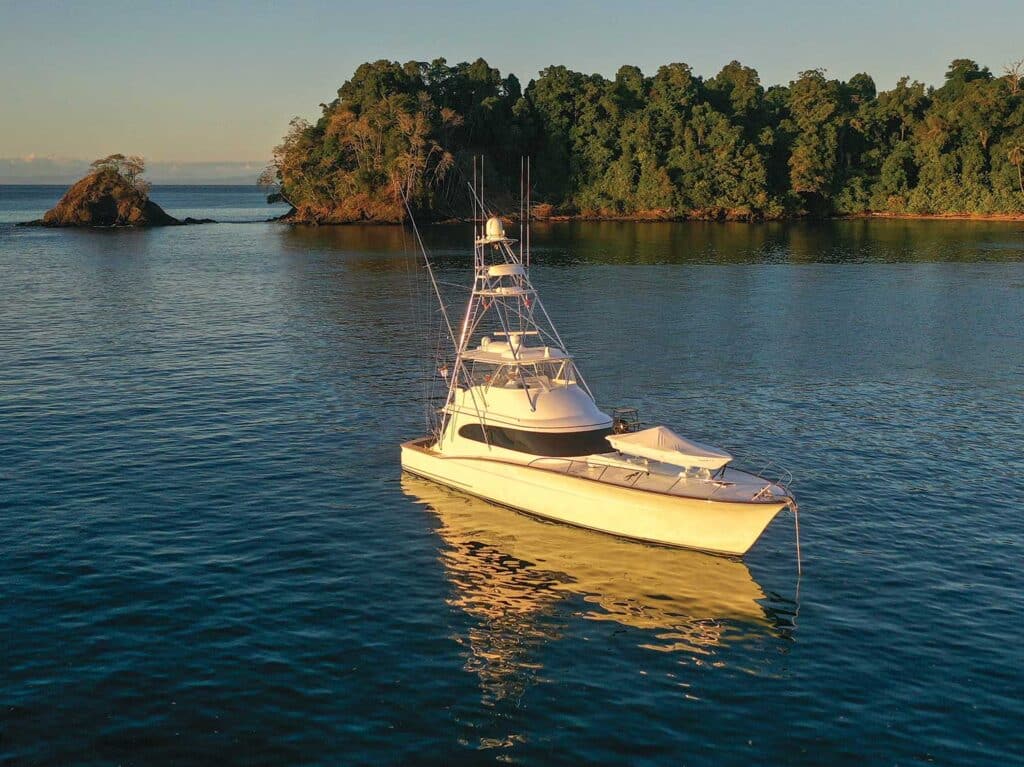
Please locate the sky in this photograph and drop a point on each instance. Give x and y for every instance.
(204, 90)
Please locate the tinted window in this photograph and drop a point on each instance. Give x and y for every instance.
(541, 443)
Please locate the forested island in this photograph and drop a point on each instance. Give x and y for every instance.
(670, 146)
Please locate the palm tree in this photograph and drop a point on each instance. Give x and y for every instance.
(1016, 157)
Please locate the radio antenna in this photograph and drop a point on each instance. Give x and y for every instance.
(521, 161)
(527, 211)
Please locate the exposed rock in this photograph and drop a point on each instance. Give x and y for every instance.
(106, 198)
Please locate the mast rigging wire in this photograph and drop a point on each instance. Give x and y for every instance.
(430, 268)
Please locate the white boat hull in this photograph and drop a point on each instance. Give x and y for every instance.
(722, 527)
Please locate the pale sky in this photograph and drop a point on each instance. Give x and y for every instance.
(190, 85)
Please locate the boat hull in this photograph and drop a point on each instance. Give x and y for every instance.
(721, 527)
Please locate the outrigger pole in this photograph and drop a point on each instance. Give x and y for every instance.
(430, 269)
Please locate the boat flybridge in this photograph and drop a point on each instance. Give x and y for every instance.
(520, 427)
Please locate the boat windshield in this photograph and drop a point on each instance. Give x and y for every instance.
(546, 374)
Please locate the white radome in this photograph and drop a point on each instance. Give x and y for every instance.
(494, 229)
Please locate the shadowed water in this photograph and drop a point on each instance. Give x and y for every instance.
(210, 554)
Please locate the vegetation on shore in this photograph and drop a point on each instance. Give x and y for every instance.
(672, 145)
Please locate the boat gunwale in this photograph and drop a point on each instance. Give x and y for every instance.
(420, 445)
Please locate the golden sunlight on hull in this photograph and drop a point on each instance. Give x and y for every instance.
(506, 564)
(670, 520)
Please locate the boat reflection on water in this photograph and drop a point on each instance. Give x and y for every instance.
(510, 571)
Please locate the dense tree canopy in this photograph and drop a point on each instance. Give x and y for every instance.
(671, 145)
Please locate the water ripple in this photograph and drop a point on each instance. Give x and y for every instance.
(209, 553)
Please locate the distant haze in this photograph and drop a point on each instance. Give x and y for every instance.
(55, 170)
(205, 91)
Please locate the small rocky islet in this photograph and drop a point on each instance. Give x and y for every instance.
(111, 195)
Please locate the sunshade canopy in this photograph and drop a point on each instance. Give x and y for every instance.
(662, 444)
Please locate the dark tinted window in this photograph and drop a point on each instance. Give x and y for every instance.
(541, 443)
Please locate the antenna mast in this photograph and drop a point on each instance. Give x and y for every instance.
(527, 212)
(521, 161)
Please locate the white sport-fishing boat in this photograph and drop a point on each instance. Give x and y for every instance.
(520, 427)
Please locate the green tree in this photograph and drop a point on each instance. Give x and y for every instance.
(815, 104)
(1016, 158)
(736, 91)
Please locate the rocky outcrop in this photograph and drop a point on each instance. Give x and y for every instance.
(106, 198)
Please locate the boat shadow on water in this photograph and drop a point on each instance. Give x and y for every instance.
(512, 573)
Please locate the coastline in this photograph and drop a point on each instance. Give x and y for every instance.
(1011, 217)
(647, 219)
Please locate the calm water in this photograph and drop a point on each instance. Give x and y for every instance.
(209, 554)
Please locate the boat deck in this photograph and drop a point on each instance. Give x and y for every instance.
(730, 485)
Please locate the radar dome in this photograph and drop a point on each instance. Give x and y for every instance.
(494, 229)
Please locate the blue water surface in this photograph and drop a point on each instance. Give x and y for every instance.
(209, 554)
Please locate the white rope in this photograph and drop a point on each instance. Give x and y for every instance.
(796, 526)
